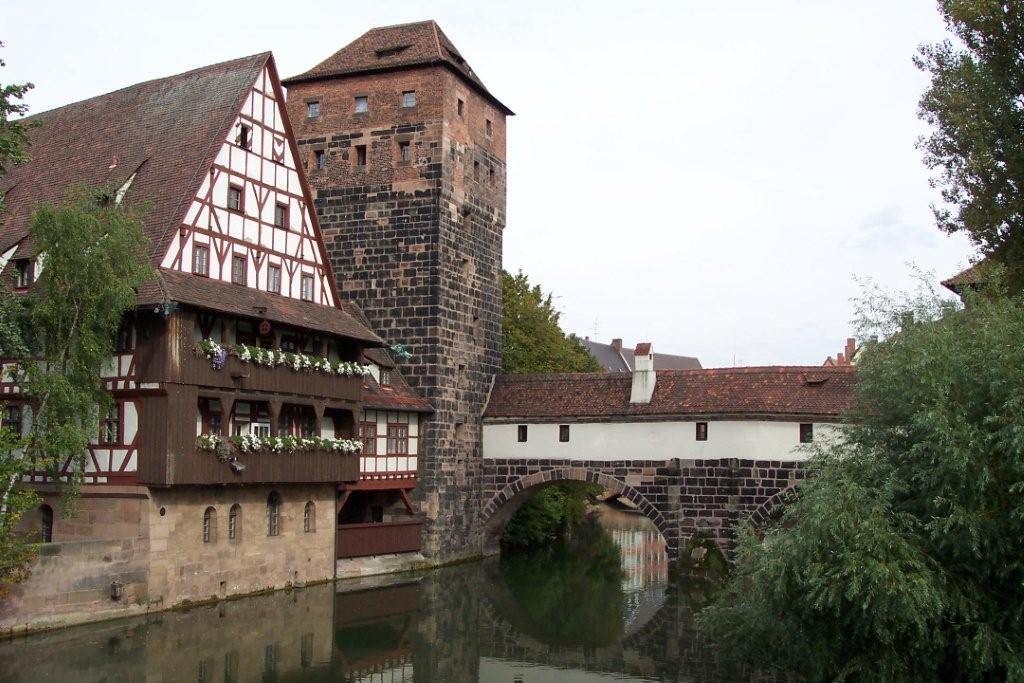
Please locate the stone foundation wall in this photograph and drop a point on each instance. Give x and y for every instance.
(71, 583)
(185, 568)
(682, 497)
(100, 512)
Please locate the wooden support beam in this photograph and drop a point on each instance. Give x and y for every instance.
(408, 502)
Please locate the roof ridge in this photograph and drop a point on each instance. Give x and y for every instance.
(437, 40)
(264, 54)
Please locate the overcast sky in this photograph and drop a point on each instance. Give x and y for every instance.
(708, 176)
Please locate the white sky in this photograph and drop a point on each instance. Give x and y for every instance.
(708, 176)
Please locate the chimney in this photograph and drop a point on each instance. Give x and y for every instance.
(851, 349)
(617, 345)
(643, 373)
(840, 359)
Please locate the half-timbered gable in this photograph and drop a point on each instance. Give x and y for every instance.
(250, 222)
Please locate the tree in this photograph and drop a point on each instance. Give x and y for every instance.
(532, 339)
(901, 558)
(13, 132)
(976, 109)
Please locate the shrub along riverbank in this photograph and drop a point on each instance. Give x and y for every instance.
(552, 513)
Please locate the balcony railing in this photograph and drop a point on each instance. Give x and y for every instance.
(281, 379)
(315, 466)
(377, 538)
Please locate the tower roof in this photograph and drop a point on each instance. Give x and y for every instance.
(402, 46)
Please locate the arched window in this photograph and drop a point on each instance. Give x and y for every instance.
(209, 525)
(46, 523)
(273, 514)
(235, 522)
(309, 518)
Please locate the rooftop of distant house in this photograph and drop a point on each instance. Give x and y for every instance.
(614, 357)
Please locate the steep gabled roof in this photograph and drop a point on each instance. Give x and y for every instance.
(166, 132)
(974, 276)
(741, 393)
(614, 359)
(402, 46)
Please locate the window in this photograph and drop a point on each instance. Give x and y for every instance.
(306, 651)
(409, 98)
(521, 433)
(403, 151)
(201, 259)
(490, 175)
(238, 269)
(123, 338)
(110, 429)
(385, 378)
(273, 514)
(235, 198)
(563, 433)
(245, 332)
(307, 287)
(398, 439)
(319, 160)
(250, 418)
(487, 127)
(806, 433)
(368, 433)
(274, 279)
(281, 215)
(209, 525)
(362, 104)
(360, 155)
(702, 431)
(309, 518)
(376, 513)
(461, 107)
(313, 109)
(210, 416)
(476, 170)
(235, 522)
(45, 523)
(231, 667)
(12, 418)
(244, 137)
(24, 273)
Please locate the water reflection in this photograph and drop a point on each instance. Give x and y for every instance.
(598, 609)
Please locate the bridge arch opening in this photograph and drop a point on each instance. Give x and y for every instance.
(503, 505)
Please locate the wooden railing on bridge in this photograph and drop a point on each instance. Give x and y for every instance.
(377, 538)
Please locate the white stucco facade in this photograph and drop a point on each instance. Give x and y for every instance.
(607, 441)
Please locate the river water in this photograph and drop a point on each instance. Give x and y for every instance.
(599, 609)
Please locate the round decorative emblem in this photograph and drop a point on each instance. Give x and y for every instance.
(264, 328)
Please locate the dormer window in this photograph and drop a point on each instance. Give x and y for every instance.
(244, 138)
(313, 109)
(385, 378)
(24, 273)
(409, 98)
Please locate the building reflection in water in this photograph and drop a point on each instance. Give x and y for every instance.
(555, 617)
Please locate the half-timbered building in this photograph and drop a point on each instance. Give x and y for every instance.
(237, 424)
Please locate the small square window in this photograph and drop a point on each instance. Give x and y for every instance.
(307, 287)
(238, 269)
(274, 279)
(487, 127)
(461, 107)
(281, 215)
(521, 433)
(476, 170)
(360, 155)
(244, 137)
(409, 98)
(313, 109)
(563, 433)
(235, 198)
(362, 105)
(806, 433)
(201, 259)
(403, 152)
(319, 160)
(702, 431)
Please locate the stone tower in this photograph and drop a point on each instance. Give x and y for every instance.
(405, 152)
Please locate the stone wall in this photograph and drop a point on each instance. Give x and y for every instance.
(682, 497)
(417, 245)
(71, 583)
(185, 568)
(100, 512)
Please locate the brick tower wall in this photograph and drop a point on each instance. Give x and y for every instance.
(418, 246)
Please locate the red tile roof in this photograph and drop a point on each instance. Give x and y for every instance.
(388, 48)
(722, 392)
(971, 277)
(397, 395)
(167, 132)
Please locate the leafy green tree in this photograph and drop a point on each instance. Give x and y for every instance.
(549, 514)
(13, 132)
(532, 339)
(902, 558)
(976, 111)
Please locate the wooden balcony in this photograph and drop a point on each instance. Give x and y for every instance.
(236, 375)
(377, 538)
(198, 467)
